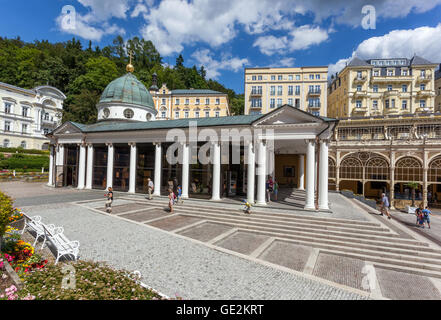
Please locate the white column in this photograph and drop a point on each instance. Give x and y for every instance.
(158, 168)
(132, 182)
(89, 169)
(216, 160)
(185, 170)
(51, 167)
(301, 172)
(82, 167)
(60, 155)
(110, 165)
(251, 173)
(261, 174)
(310, 164)
(323, 179)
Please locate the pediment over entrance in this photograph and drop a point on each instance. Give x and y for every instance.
(286, 115)
(67, 128)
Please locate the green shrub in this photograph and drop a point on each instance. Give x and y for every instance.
(6, 211)
(22, 161)
(93, 282)
(26, 151)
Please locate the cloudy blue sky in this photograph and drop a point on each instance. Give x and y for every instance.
(227, 35)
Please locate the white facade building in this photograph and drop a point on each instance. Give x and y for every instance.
(26, 116)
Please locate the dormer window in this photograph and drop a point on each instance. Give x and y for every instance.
(390, 72)
(128, 113)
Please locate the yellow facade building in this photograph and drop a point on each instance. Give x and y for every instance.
(438, 90)
(382, 87)
(269, 88)
(191, 103)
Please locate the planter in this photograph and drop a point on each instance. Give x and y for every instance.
(13, 275)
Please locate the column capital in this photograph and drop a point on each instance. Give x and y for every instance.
(109, 144)
(327, 141)
(312, 141)
(90, 145)
(158, 144)
(132, 144)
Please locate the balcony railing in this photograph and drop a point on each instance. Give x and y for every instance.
(256, 92)
(360, 78)
(316, 105)
(391, 78)
(313, 92)
(424, 78)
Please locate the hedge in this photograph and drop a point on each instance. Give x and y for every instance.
(21, 150)
(6, 211)
(21, 161)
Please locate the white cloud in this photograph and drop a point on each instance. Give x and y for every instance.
(298, 39)
(287, 62)
(423, 41)
(205, 58)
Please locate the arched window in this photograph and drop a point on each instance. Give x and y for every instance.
(351, 168)
(377, 168)
(331, 169)
(434, 172)
(408, 169)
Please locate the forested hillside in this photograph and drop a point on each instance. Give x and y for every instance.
(83, 73)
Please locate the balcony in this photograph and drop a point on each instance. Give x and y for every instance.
(359, 110)
(425, 93)
(315, 92)
(359, 79)
(424, 78)
(391, 93)
(391, 79)
(256, 93)
(357, 94)
(392, 110)
(49, 123)
(315, 106)
(425, 109)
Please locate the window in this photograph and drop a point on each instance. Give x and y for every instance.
(217, 101)
(186, 114)
(311, 89)
(198, 101)
(128, 113)
(375, 88)
(272, 103)
(311, 77)
(163, 114)
(259, 77)
(279, 103)
(177, 102)
(8, 107)
(423, 73)
(273, 90)
(164, 101)
(273, 78)
(404, 104)
(163, 91)
(390, 72)
(23, 144)
(404, 87)
(317, 76)
(207, 101)
(216, 114)
(387, 104)
(290, 90)
(389, 87)
(290, 77)
(196, 114)
(297, 103)
(358, 104)
(393, 103)
(297, 77)
(280, 78)
(207, 114)
(358, 87)
(316, 113)
(45, 131)
(256, 103)
(317, 89)
(254, 78)
(359, 74)
(279, 90)
(290, 101)
(297, 90)
(176, 114)
(376, 73)
(422, 103)
(422, 87)
(7, 126)
(24, 128)
(404, 72)
(106, 113)
(24, 111)
(375, 104)
(148, 116)
(6, 143)
(187, 101)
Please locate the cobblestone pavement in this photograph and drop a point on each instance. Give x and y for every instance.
(175, 265)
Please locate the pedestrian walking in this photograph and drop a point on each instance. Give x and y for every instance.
(179, 195)
(418, 212)
(109, 196)
(150, 188)
(171, 200)
(427, 213)
(385, 205)
(275, 189)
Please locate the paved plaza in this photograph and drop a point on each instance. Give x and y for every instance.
(213, 251)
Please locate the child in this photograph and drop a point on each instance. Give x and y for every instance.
(417, 214)
(247, 208)
(109, 201)
(421, 219)
(179, 199)
(427, 213)
(171, 200)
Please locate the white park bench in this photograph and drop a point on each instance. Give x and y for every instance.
(35, 224)
(64, 246)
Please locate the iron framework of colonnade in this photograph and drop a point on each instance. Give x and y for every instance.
(366, 167)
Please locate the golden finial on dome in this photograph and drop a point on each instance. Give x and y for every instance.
(130, 68)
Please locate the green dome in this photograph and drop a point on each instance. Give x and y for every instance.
(127, 89)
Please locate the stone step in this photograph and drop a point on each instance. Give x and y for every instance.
(382, 243)
(259, 212)
(417, 271)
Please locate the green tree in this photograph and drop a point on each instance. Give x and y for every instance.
(413, 186)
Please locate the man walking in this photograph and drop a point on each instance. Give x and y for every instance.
(150, 188)
(385, 205)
